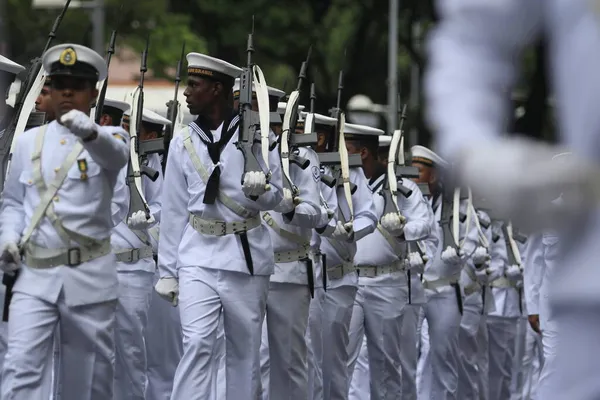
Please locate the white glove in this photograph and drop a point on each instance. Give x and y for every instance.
(416, 263)
(393, 223)
(79, 123)
(480, 257)
(255, 183)
(493, 274)
(287, 204)
(343, 232)
(168, 289)
(514, 273)
(138, 221)
(494, 170)
(482, 276)
(451, 256)
(10, 260)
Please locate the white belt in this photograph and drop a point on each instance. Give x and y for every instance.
(372, 271)
(502, 283)
(439, 283)
(291, 255)
(133, 255)
(40, 258)
(340, 270)
(222, 228)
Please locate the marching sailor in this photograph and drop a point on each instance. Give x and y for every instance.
(339, 247)
(443, 310)
(56, 211)
(214, 256)
(132, 244)
(380, 260)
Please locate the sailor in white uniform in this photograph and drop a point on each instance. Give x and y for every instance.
(214, 256)
(132, 244)
(380, 260)
(57, 211)
(339, 247)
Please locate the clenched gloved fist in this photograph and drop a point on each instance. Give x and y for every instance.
(138, 221)
(514, 273)
(393, 223)
(168, 289)
(79, 123)
(10, 259)
(451, 256)
(255, 184)
(480, 257)
(416, 263)
(343, 232)
(287, 204)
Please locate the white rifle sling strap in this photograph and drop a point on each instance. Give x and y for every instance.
(262, 98)
(513, 244)
(395, 145)
(46, 207)
(456, 217)
(285, 133)
(344, 166)
(133, 154)
(288, 256)
(482, 238)
(203, 173)
(339, 249)
(399, 248)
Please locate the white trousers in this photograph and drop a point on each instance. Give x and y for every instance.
(502, 333)
(135, 291)
(437, 371)
(549, 349)
(285, 324)
(330, 350)
(164, 347)
(86, 349)
(483, 359)
(377, 314)
(205, 294)
(468, 374)
(315, 345)
(360, 383)
(527, 363)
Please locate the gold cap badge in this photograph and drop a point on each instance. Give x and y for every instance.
(68, 57)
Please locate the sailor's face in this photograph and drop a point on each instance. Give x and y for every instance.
(276, 128)
(427, 175)
(146, 134)
(44, 102)
(383, 155)
(71, 93)
(200, 94)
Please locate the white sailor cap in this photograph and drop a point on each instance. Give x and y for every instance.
(122, 106)
(354, 131)
(385, 141)
(282, 105)
(148, 116)
(10, 66)
(321, 119)
(273, 92)
(426, 156)
(210, 67)
(74, 60)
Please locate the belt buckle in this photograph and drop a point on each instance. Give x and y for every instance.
(135, 255)
(218, 228)
(73, 256)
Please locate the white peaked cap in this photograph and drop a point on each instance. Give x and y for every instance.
(119, 105)
(321, 119)
(154, 118)
(385, 140)
(427, 156)
(203, 65)
(282, 105)
(68, 58)
(362, 130)
(273, 92)
(10, 66)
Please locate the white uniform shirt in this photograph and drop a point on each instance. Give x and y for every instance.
(375, 250)
(307, 216)
(122, 236)
(180, 245)
(506, 300)
(83, 206)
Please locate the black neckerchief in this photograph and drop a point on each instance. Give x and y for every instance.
(202, 128)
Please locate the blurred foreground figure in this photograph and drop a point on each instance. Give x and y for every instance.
(472, 68)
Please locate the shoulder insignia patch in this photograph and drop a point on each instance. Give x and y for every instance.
(121, 138)
(316, 173)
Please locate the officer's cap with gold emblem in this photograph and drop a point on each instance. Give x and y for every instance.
(212, 68)
(423, 155)
(7, 65)
(76, 61)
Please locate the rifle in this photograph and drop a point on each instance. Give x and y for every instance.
(251, 120)
(25, 101)
(17, 122)
(109, 53)
(137, 201)
(289, 122)
(173, 108)
(513, 255)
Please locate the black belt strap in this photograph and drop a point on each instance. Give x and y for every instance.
(458, 297)
(9, 282)
(310, 275)
(246, 249)
(483, 299)
(324, 270)
(408, 275)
